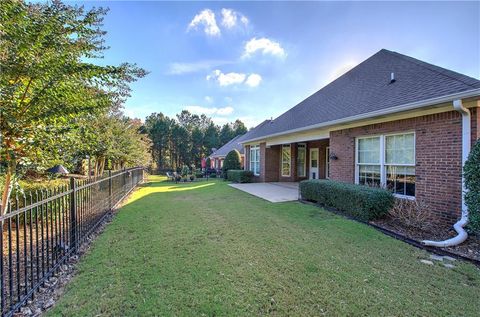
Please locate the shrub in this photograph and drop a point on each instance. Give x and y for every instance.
(213, 176)
(185, 171)
(232, 162)
(240, 176)
(471, 172)
(362, 202)
(208, 162)
(411, 213)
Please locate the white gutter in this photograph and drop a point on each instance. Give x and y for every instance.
(382, 112)
(466, 143)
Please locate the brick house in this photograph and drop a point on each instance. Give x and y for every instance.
(218, 156)
(392, 121)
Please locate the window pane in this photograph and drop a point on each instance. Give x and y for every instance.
(399, 149)
(369, 150)
(286, 160)
(401, 179)
(301, 156)
(369, 175)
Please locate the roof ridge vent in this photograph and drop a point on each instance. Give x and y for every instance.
(392, 77)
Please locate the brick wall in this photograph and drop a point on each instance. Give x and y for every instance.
(438, 158)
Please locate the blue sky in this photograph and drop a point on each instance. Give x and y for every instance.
(255, 60)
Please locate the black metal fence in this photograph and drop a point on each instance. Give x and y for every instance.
(41, 230)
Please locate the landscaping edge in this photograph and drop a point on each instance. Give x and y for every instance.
(396, 235)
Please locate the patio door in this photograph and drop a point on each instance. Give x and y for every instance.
(313, 171)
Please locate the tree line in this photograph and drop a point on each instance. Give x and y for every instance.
(186, 139)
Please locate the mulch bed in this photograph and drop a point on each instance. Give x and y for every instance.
(469, 249)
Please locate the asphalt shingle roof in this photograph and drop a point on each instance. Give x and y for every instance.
(233, 144)
(367, 88)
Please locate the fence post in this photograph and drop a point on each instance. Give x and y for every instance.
(73, 215)
(110, 189)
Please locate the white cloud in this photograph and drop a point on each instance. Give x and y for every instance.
(185, 68)
(253, 80)
(230, 18)
(206, 18)
(210, 110)
(226, 79)
(265, 46)
(208, 99)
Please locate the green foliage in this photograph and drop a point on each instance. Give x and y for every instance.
(240, 176)
(52, 83)
(231, 162)
(208, 162)
(186, 139)
(358, 201)
(185, 171)
(471, 173)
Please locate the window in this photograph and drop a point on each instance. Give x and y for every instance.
(400, 163)
(255, 159)
(286, 160)
(301, 160)
(387, 161)
(368, 161)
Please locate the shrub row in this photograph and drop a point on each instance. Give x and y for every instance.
(361, 202)
(240, 176)
(471, 172)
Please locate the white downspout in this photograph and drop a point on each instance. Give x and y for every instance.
(466, 144)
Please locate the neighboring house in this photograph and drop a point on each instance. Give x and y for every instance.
(218, 156)
(391, 121)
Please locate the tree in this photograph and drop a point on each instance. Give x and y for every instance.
(232, 162)
(211, 139)
(47, 81)
(158, 127)
(226, 134)
(239, 128)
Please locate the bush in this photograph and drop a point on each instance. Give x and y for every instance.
(208, 162)
(232, 162)
(411, 213)
(213, 176)
(358, 201)
(240, 176)
(471, 172)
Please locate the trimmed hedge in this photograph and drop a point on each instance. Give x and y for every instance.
(471, 172)
(240, 176)
(358, 201)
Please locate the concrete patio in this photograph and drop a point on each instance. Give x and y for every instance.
(272, 192)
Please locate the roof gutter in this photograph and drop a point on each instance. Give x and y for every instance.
(392, 110)
(466, 144)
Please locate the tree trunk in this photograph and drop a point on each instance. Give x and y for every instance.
(7, 189)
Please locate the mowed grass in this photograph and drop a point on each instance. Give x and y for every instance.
(206, 249)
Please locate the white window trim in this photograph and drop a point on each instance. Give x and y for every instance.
(289, 163)
(304, 145)
(254, 148)
(383, 171)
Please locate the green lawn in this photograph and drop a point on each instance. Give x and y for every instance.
(206, 249)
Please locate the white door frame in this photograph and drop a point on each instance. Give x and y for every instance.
(311, 169)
